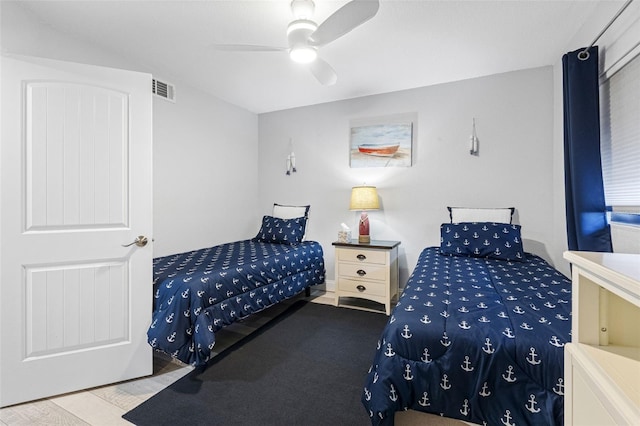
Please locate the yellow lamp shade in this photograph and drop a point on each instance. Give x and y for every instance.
(364, 198)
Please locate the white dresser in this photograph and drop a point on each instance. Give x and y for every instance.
(602, 364)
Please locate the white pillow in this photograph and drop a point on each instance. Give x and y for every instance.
(291, 212)
(466, 214)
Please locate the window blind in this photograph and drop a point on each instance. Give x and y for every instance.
(620, 136)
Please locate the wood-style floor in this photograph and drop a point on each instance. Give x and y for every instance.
(106, 405)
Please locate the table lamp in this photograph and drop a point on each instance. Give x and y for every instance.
(364, 198)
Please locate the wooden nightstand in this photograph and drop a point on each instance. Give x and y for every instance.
(367, 271)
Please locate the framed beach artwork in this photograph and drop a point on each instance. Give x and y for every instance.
(382, 142)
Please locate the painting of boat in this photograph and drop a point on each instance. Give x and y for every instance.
(379, 150)
(382, 141)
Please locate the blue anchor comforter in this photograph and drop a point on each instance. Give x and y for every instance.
(199, 292)
(475, 339)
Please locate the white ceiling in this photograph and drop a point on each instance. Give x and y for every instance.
(407, 44)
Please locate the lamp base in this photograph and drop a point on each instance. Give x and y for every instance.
(364, 239)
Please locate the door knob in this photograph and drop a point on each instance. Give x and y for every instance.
(141, 241)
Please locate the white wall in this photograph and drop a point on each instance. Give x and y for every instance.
(514, 121)
(205, 172)
(205, 150)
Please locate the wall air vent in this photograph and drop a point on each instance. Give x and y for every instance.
(164, 90)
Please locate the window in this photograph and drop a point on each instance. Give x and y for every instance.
(620, 142)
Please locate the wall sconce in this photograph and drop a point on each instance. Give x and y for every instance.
(473, 149)
(291, 160)
(291, 164)
(364, 198)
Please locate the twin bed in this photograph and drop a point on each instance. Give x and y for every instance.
(477, 335)
(199, 292)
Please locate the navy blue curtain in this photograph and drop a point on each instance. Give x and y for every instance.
(587, 227)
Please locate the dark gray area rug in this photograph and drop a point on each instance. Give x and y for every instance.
(305, 367)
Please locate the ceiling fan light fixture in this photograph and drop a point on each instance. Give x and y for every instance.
(303, 54)
(298, 33)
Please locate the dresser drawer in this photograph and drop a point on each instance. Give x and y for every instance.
(362, 288)
(363, 271)
(363, 256)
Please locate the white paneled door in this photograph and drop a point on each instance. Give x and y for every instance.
(75, 188)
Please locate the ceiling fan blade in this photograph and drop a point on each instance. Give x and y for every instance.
(343, 20)
(323, 72)
(247, 48)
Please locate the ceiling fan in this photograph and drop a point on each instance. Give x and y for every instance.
(304, 36)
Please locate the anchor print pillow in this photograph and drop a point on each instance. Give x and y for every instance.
(282, 231)
(283, 211)
(482, 239)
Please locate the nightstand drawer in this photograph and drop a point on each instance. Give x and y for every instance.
(363, 256)
(363, 271)
(362, 288)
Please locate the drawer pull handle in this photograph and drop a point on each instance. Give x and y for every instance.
(361, 257)
(361, 288)
(361, 272)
